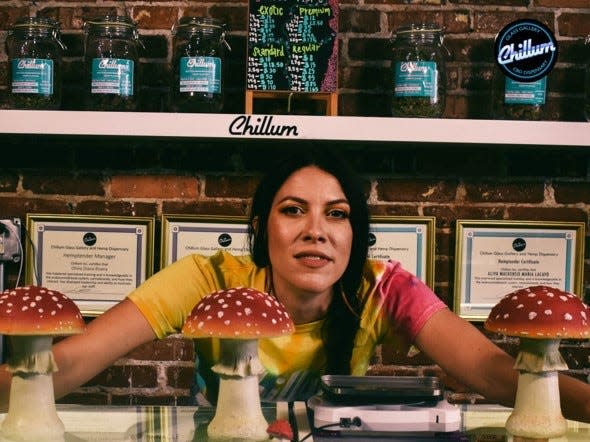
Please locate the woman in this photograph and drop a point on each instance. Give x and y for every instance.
(308, 240)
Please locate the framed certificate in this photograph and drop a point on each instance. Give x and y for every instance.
(494, 258)
(407, 239)
(205, 235)
(94, 260)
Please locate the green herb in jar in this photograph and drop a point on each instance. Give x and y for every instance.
(35, 49)
(111, 59)
(418, 72)
(514, 100)
(198, 65)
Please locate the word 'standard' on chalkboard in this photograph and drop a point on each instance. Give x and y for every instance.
(292, 45)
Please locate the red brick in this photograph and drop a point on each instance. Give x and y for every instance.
(116, 208)
(547, 214)
(63, 184)
(180, 377)
(155, 17)
(494, 21)
(574, 24)
(571, 193)
(488, 192)
(562, 3)
(134, 186)
(230, 187)
(9, 14)
(416, 190)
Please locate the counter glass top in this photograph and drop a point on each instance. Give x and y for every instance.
(480, 423)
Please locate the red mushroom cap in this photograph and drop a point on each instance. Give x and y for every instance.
(238, 313)
(34, 310)
(280, 429)
(540, 312)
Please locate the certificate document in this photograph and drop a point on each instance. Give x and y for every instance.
(185, 235)
(496, 260)
(409, 240)
(96, 261)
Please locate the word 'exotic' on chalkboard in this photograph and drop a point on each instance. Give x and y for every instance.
(292, 45)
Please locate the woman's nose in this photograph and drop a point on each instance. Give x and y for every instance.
(315, 228)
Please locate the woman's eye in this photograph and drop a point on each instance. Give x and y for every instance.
(337, 213)
(291, 210)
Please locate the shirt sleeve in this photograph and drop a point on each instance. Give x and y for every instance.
(406, 301)
(167, 298)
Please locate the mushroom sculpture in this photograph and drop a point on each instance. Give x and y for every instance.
(540, 316)
(31, 316)
(238, 317)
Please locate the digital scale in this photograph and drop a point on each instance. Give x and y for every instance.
(392, 408)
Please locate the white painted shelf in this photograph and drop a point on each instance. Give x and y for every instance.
(295, 127)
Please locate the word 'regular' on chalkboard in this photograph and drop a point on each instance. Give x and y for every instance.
(292, 45)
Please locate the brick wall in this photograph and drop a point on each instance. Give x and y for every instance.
(145, 177)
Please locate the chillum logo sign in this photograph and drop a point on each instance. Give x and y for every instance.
(261, 126)
(525, 50)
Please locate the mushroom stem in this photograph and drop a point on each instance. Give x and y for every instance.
(238, 413)
(537, 410)
(32, 415)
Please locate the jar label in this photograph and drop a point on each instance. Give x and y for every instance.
(32, 76)
(112, 76)
(200, 74)
(416, 79)
(517, 92)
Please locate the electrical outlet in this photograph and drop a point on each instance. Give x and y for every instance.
(10, 240)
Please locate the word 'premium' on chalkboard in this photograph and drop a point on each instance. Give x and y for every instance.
(292, 45)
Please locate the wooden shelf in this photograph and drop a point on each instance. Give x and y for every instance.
(296, 127)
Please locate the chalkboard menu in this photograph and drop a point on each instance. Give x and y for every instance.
(292, 45)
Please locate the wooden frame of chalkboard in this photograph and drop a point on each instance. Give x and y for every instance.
(293, 50)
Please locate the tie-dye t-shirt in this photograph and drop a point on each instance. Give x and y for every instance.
(396, 306)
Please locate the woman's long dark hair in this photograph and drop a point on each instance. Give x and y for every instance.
(341, 323)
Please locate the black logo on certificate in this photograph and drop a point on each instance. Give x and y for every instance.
(224, 240)
(525, 50)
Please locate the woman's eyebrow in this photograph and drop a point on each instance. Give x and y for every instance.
(304, 201)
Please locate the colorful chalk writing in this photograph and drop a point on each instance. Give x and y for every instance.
(292, 45)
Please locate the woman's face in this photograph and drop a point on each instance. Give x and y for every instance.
(309, 232)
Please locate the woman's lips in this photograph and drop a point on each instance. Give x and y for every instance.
(312, 260)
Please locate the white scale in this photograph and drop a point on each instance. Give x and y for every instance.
(337, 411)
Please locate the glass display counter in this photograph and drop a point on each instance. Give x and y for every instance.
(480, 423)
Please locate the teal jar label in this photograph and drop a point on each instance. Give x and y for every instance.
(416, 79)
(200, 74)
(532, 93)
(112, 76)
(32, 76)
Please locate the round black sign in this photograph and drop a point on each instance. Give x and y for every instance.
(519, 244)
(224, 240)
(525, 50)
(89, 239)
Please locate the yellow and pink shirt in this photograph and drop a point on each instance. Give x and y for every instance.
(396, 306)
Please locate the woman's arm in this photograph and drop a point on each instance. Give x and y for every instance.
(466, 354)
(79, 358)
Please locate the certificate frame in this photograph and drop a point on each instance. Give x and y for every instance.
(416, 243)
(94, 260)
(182, 235)
(494, 258)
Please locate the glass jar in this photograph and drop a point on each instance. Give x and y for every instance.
(198, 60)
(516, 100)
(111, 58)
(418, 71)
(34, 49)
